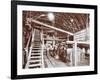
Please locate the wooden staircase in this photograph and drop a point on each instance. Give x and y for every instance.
(35, 58)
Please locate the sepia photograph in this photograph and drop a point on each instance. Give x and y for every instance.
(53, 39)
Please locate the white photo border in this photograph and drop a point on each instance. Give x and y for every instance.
(22, 8)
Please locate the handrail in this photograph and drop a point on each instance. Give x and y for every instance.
(27, 46)
(28, 42)
(28, 57)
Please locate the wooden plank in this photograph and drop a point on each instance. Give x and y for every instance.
(46, 25)
(78, 42)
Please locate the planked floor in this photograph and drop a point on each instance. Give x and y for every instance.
(51, 62)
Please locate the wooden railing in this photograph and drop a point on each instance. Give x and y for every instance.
(28, 45)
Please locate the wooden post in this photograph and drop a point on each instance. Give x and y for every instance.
(42, 49)
(74, 54)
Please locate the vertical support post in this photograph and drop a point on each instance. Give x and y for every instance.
(53, 40)
(68, 37)
(42, 39)
(71, 63)
(83, 54)
(74, 55)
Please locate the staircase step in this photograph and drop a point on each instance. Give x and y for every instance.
(37, 40)
(35, 61)
(37, 35)
(35, 54)
(37, 43)
(36, 49)
(36, 46)
(34, 58)
(33, 65)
